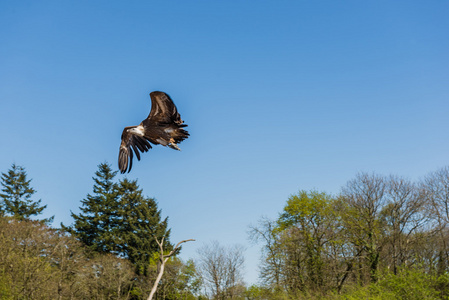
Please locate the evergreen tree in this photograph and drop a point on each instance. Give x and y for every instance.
(140, 223)
(95, 225)
(118, 219)
(16, 195)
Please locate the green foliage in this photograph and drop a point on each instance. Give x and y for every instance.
(321, 247)
(306, 208)
(96, 225)
(408, 284)
(24, 246)
(180, 280)
(255, 292)
(187, 280)
(38, 262)
(6, 284)
(16, 195)
(107, 277)
(107, 254)
(138, 223)
(307, 224)
(442, 285)
(118, 219)
(365, 244)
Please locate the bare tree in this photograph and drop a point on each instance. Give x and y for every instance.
(221, 270)
(404, 216)
(271, 264)
(436, 187)
(163, 259)
(365, 197)
(106, 277)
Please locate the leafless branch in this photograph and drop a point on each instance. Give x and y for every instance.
(164, 259)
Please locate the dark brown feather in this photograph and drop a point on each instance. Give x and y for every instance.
(162, 126)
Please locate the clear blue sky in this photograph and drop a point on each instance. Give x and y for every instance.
(278, 95)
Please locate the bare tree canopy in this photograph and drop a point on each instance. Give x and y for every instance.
(221, 269)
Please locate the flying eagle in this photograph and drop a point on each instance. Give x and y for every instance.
(162, 126)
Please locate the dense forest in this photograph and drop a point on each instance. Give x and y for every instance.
(381, 237)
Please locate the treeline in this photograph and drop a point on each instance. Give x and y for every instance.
(382, 237)
(39, 262)
(109, 252)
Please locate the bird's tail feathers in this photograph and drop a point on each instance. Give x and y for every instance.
(179, 135)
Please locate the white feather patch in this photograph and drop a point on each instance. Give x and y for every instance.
(139, 130)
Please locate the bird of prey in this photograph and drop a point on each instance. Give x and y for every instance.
(162, 126)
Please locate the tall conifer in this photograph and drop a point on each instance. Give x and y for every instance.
(141, 222)
(118, 219)
(95, 224)
(15, 199)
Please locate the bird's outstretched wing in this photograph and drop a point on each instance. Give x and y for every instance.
(162, 126)
(131, 142)
(163, 111)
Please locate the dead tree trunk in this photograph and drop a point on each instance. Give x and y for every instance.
(163, 258)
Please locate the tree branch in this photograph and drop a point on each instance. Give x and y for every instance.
(164, 259)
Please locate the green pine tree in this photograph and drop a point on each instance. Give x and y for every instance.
(95, 226)
(141, 223)
(16, 196)
(118, 219)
